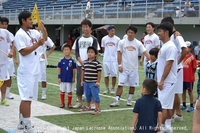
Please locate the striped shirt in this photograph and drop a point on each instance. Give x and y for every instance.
(91, 70)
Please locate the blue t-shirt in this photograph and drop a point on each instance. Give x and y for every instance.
(151, 70)
(147, 108)
(66, 67)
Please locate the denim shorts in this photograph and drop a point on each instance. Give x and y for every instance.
(90, 91)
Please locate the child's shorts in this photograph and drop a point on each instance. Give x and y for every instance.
(188, 86)
(90, 91)
(66, 87)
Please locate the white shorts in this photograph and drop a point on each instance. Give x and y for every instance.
(166, 96)
(43, 76)
(179, 84)
(66, 87)
(11, 68)
(129, 78)
(4, 75)
(28, 87)
(110, 68)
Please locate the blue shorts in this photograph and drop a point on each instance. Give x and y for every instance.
(188, 86)
(90, 91)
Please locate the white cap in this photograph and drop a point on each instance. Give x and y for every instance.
(188, 43)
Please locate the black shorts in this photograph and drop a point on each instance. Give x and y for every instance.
(188, 86)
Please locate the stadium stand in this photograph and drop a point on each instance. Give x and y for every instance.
(68, 9)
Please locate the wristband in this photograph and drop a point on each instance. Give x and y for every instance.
(59, 76)
(119, 65)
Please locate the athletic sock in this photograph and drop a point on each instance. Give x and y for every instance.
(62, 97)
(7, 90)
(27, 122)
(43, 90)
(191, 105)
(168, 122)
(20, 118)
(69, 99)
(117, 98)
(130, 96)
(184, 104)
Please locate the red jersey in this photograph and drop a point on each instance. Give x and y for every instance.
(189, 64)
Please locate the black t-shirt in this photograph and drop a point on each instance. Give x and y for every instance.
(147, 108)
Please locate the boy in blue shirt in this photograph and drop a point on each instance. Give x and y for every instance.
(66, 76)
(147, 110)
(151, 66)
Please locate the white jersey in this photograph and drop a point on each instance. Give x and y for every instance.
(42, 49)
(88, 6)
(29, 64)
(9, 49)
(179, 43)
(125, 36)
(5, 39)
(83, 43)
(110, 45)
(167, 52)
(151, 41)
(130, 51)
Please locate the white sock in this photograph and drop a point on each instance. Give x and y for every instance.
(130, 96)
(27, 122)
(168, 122)
(44, 90)
(117, 98)
(21, 118)
(7, 90)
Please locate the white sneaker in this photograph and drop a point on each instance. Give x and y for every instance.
(168, 130)
(178, 118)
(29, 129)
(43, 96)
(112, 91)
(20, 125)
(9, 96)
(114, 104)
(106, 91)
(129, 103)
(92, 106)
(77, 105)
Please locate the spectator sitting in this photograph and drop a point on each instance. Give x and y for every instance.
(187, 6)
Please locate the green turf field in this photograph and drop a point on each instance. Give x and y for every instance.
(111, 120)
(2, 131)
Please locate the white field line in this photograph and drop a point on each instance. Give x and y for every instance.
(99, 94)
(104, 95)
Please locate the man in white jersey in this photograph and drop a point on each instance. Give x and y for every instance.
(6, 38)
(11, 69)
(80, 46)
(151, 40)
(182, 52)
(27, 41)
(128, 51)
(109, 44)
(166, 74)
(43, 62)
(87, 9)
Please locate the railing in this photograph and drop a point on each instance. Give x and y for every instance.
(116, 10)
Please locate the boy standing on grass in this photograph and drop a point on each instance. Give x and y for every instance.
(189, 69)
(80, 46)
(90, 79)
(151, 66)
(66, 76)
(147, 110)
